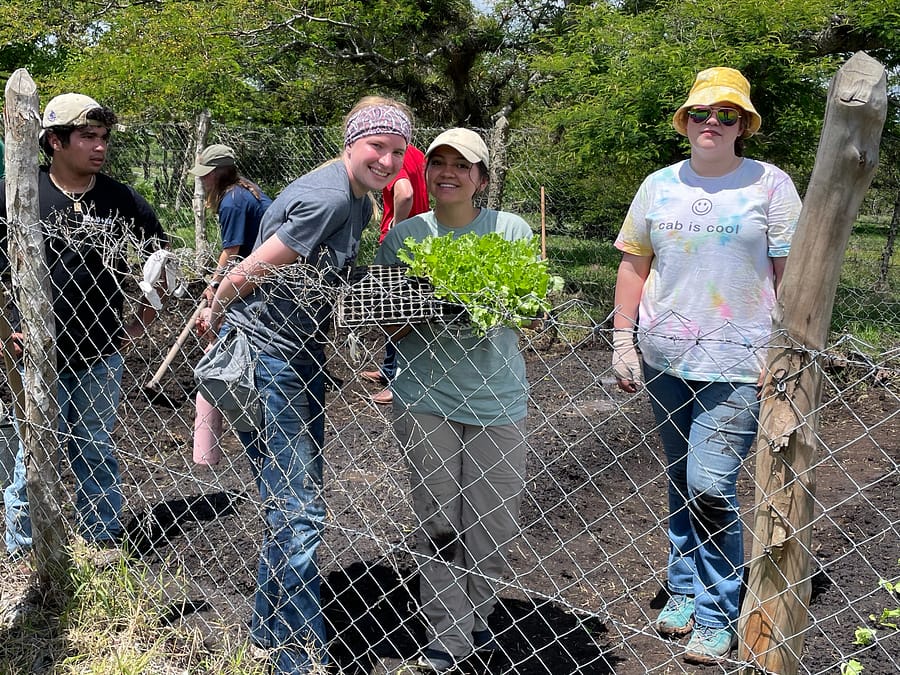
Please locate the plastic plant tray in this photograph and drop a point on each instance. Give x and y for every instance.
(385, 295)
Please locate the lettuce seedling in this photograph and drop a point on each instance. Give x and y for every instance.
(498, 282)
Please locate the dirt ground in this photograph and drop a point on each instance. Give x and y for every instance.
(585, 575)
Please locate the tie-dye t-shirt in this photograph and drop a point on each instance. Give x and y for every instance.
(705, 311)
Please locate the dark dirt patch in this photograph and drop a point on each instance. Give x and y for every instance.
(586, 573)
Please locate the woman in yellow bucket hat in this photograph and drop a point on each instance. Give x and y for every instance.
(703, 246)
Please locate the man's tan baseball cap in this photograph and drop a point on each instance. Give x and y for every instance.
(69, 110)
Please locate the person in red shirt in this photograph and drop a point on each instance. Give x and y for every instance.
(406, 196)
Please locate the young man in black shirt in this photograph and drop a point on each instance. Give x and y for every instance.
(89, 221)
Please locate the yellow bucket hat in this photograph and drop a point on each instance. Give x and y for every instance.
(719, 85)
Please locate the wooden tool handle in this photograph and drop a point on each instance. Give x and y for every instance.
(179, 343)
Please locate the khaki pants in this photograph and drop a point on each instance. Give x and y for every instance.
(467, 486)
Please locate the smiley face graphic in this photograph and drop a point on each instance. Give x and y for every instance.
(701, 207)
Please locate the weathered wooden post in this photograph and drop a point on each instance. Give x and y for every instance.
(774, 616)
(31, 281)
(201, 245)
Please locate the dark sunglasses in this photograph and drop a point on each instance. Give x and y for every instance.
(725, 116)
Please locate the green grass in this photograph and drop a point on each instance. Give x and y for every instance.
(866, 305)
(588, 267)
(112, 622)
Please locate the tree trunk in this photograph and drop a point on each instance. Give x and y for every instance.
(775, 611)
(198, 204)
(499, 141)
(31, 281)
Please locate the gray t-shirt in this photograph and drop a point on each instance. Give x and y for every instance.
(318, 217)
(447, 370)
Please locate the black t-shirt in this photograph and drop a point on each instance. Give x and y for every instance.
(87, 244)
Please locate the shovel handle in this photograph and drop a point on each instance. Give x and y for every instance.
(179, 343)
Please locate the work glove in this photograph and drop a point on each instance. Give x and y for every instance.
(162, 277)
(625, 361)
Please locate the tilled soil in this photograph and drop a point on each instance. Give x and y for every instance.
(586, 574)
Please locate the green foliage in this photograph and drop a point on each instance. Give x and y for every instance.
(170, 60)
(279, 63)
(851, 667)
(889, 618)
(499, 282)
(611, 79)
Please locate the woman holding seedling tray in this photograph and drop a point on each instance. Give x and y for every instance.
(460, 396)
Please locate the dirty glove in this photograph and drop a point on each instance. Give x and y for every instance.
(625, 362)
(162, 272)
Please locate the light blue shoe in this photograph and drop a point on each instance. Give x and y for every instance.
(709, 645)
(677, 617)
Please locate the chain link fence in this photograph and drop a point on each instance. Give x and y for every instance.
(586, 572)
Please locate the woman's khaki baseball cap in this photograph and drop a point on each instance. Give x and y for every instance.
(466, 142)
(211, 157)
(719, 85)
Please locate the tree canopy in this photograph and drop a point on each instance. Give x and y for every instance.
(291, 62)
(603, 79)
(613, 77)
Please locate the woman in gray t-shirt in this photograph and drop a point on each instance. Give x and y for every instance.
(309, 233)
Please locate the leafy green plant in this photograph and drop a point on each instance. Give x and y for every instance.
(863, 636)
(889, 618)
(499, 282)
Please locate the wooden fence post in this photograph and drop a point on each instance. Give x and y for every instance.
(201, 245)
(774, 616)
(31, 280)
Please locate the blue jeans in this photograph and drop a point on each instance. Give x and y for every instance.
(389, 365)
(287, 463)
(707, 429)
(87, 402)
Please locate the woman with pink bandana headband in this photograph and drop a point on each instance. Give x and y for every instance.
(316, 222)
(703, 247)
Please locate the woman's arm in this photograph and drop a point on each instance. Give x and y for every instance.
(630, 279)
(243, 278)
(778, 265)
(226, 258)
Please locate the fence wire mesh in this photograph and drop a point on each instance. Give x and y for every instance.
(585, 573)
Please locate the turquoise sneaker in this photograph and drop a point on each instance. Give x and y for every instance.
(709, 645)
(677, 617)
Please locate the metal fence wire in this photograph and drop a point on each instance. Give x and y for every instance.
(584, 572)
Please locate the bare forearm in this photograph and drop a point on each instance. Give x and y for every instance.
(630, 279)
